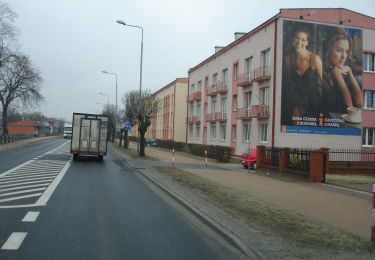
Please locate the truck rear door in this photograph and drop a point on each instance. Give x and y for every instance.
(90, 132)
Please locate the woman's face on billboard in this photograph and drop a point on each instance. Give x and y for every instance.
(300, 40)
(339, 53)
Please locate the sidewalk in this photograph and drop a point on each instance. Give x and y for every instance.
(347, 210)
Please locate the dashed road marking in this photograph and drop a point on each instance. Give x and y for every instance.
(31, 216)
(14, 241)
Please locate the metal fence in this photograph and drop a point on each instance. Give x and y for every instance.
(9, 141)
(271, 157)
(351, 159)
(299, 161)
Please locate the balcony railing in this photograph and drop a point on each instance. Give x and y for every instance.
(261, 110)
(262, 74)
(256, 75)
(192, 119)
(245, 79)
(211, 117)
(222, 87)
(244, 113)
(211, 91)
(221, 116)
(197, 95)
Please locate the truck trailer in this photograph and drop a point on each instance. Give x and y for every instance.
(89, 135)
(67, 130)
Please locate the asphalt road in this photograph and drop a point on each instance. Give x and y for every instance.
(95, 211)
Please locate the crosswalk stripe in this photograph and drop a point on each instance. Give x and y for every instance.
(23, 176)
(30, 182)
(27, 179)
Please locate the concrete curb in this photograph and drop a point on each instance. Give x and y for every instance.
(215, 226)
(20, 145)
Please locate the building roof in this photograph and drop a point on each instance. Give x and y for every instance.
(177, 80)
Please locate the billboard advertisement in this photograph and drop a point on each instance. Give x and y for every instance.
(321, 79)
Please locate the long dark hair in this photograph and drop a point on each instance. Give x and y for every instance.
(337, 34)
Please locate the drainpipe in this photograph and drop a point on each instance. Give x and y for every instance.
(187, 108)
(274, 85)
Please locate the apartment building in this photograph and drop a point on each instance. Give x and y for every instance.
(261, 90)
(168, 123)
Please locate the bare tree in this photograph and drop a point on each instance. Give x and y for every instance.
(110, 111)
(19, 81)
(139, 110)
(8, 32)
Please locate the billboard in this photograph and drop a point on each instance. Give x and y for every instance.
(321, 79)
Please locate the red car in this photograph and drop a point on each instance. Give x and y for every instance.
(249, 160)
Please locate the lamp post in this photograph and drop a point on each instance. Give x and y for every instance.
(140, 74)
(111, 73)
(104, 94)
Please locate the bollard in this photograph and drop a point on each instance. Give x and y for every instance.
(173, 158)
(373, 214)
(205, 155)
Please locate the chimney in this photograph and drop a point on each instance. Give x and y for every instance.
(238, 35)
(218, 48)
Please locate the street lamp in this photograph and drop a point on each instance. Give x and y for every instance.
(104, 94)
(111, 73)
(140, 74)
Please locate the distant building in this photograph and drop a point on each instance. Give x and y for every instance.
(242, 95)
(29, 127)
(168, 123)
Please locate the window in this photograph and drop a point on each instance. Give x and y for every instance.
(234, 103)
(266, 58)
(206, 82)
(199, 86)
(235, 71)
(368, 62)
(225, 76)
(198, 111)
(246, 132)
(224, 105)
(214, 79)
(263, 133)
(223, 132)
(249, 67)
(190, 131)
(247, 101)
(234, 133)
(213, 131)
(197, 131)
(192, 110)
(368, 97)
(264, 96)
(192, 88)
(368, 137)
(213, 106)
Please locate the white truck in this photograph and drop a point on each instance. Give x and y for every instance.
(67, 130)
(89, 136)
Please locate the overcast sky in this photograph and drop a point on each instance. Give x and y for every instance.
(72, 41)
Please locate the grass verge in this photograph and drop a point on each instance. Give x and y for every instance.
(133, 153)
(292, 227)
(350, 179)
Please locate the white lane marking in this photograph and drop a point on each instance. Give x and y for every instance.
(344, 188)
(20, 192)
(21, 197)
(48, 193)
(15, 168)
(25, 187)
(24, 176)
(30, 182)
(14, 241)
(55, 149)
(27, 179)
(31, 216)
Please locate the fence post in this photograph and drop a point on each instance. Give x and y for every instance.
(173, 158)
(261, 149)
(326, 162)
(316, 166)
(205, 155)
(373, 214)
(283, 159)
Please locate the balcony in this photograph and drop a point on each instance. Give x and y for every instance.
(261, 111)
(262, 74)
(222, 87)
(244, 113)
(221, 116)
(211, 117)
(192, 120)
(197, 95)
(211, 91)
(245, 80)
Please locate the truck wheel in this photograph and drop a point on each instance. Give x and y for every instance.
(75, 157)
(100, 158)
